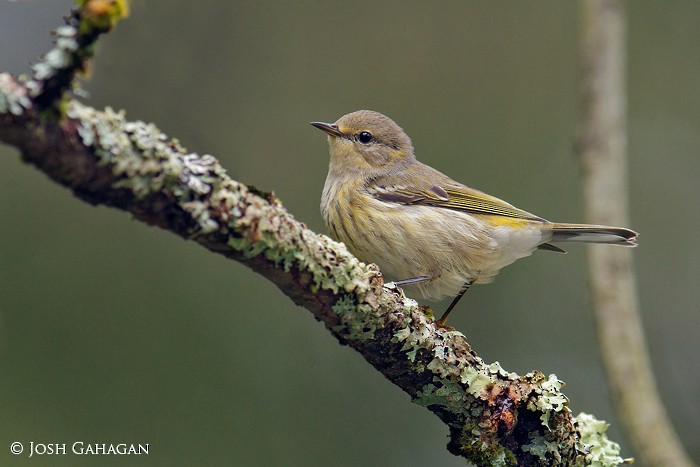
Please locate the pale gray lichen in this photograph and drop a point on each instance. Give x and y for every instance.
(60, 57)
(500, 458)
(543, 448)
(273, 232)
(484, 452)
(599, 450)
(356, 321)
(549, 398)
(146, 162)
(495, 368)
(481, 377)
(448, 394)
(477, 381)
(13, 96)
(416, 333)
(345, 305)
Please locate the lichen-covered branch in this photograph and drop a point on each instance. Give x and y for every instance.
(602, 150)
(494, 417)
(74, 47)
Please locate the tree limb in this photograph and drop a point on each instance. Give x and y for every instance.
(494, 417)
(603, 155)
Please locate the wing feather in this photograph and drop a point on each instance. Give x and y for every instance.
(456, 197)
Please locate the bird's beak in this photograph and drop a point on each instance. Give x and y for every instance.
(330, 128)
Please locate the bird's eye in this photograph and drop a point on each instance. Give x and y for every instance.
(364, 137)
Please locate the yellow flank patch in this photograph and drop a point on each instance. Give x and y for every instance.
(503, 221)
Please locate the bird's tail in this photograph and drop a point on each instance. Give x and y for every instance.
(593, 234)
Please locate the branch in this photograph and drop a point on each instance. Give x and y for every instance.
(602, 151)
(494, 417)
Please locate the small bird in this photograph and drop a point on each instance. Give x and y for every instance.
(420, 227)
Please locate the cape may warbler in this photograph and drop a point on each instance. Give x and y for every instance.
(418, 225)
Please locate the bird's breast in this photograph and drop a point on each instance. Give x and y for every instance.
(408, 241)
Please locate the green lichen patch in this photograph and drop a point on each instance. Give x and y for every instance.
(480, 449)
(356, 320)
(267, 229)
(445, 393)
(599, 450)
(543, 448)
(478, 382)
(416, 332)
(145, 161)
(548, 398)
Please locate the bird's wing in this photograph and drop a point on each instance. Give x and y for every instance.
(452, 196)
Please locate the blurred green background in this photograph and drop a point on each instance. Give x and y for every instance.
(112, 331)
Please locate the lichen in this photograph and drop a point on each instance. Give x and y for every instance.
(495, 368)
(542, 448)
(13, 96)
(60, 57)
(599, 450)
(549, 398)
(418, 333)
(477, 381)
(483, 453)
(146, 162)
(355, 319)
(447, 394)
(53, 76)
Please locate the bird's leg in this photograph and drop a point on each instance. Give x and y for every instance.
(412, 280)
(441, 322)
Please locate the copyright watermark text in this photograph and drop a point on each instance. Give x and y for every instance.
(79, 448)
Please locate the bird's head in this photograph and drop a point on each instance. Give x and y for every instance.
(366, 141)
